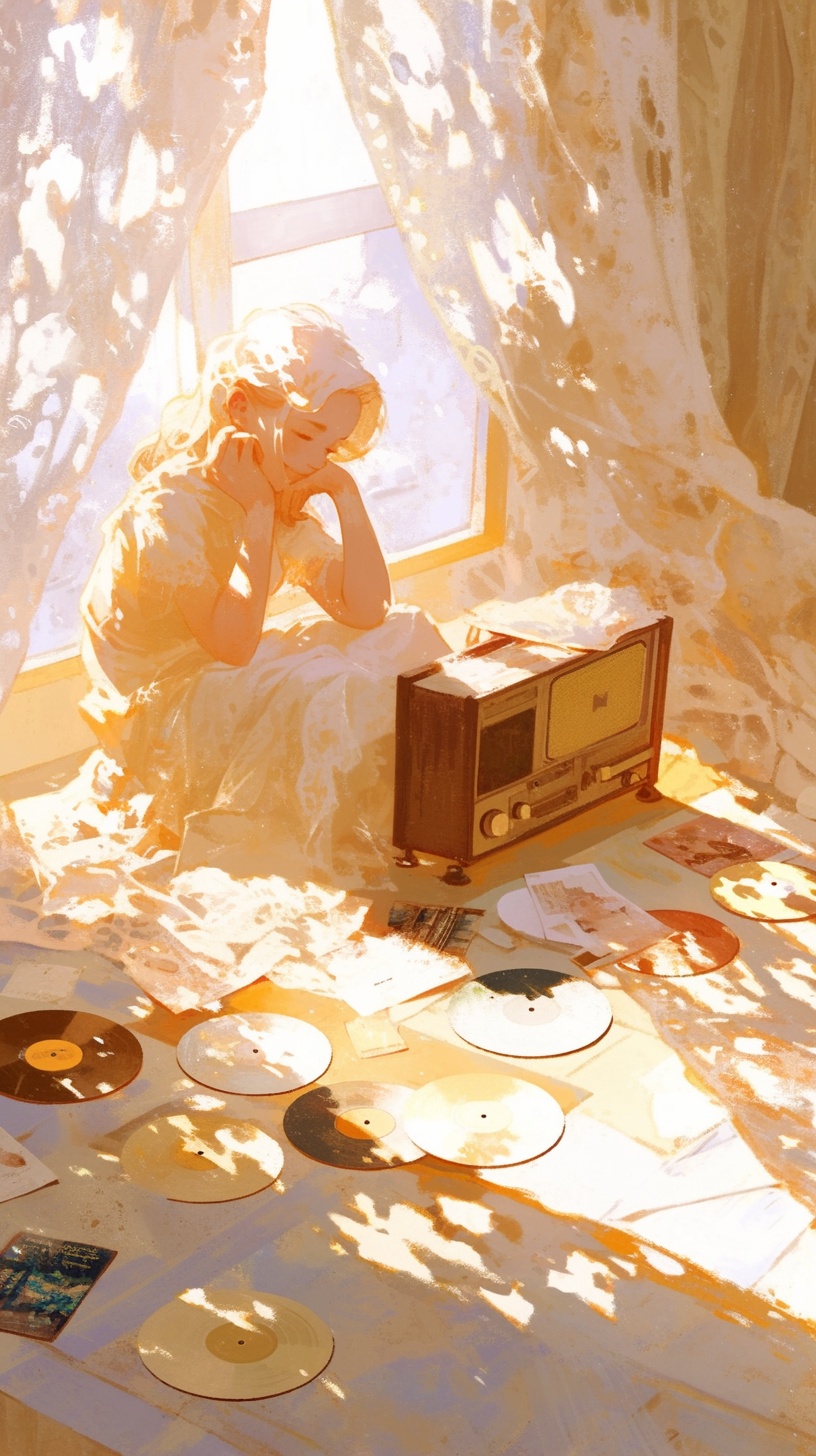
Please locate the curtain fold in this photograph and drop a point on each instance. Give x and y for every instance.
(560, 174)
(117, 117)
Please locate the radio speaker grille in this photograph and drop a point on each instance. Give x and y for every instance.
(594, 702)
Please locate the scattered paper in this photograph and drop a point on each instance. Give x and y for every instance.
(372, 974)
(578, 908)
(707, 845)
(504, 667)
(209, 935)
(375, 1036)
(41, 981)
(20, 1171)
(580, 614)
(719, 1165)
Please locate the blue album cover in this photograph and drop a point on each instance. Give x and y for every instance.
(42, 1281)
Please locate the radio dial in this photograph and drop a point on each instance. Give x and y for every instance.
(522, 810)
(495, 824)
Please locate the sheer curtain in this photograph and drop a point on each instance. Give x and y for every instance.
(117, 119)
(561, 176)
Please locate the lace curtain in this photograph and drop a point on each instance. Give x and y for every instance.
(117, 118)
(560, 175)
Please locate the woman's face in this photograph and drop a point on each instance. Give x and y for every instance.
(307, 438)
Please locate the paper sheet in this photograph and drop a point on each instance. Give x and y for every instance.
(577, 907)
(41, 981)
(375, 1036)
(372, 974)
(579, 614)
(20, 1171)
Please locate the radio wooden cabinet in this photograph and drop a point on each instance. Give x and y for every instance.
(510, 737)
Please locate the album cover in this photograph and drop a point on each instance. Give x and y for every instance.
(43, 1281)
(449, 928)
(708, 845)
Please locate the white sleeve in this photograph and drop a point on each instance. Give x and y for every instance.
(305, 550)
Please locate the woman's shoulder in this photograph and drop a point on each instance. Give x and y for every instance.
(173, 495)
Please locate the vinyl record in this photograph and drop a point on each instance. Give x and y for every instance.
(483, 1120)
(65, 1056)
(517, 911)
(254, 1053)
(234, 1344)
(766, 890)
(352, 1125)
(201, 1157)
(699, 944)
(529, 1012)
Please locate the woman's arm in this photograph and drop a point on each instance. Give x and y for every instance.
(357, 590)
(228, 623)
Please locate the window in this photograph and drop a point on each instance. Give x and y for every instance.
(298, 217)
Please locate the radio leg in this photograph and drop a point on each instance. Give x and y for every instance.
(648, 794)
(455, 875)
(408, 861)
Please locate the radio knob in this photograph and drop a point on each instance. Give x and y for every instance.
(522, 810)
(495, 824)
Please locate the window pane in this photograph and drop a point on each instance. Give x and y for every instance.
(304, 143)
(419, 479)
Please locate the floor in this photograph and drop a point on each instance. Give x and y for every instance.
(473, 1316)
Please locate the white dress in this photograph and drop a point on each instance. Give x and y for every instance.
(283, 766)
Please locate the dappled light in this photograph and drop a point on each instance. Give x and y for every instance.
(576, 247)
(72, 336)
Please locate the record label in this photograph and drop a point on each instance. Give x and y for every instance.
(201, 1157)
(766, 890)
(482, 1120)
(700, 944)
(53, 1056)
(234, 1344)
(65, 1056)
(352, 1125)
(529, 1012)
(254, 1053)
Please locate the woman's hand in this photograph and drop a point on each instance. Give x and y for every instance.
(235, 460)
(331, 480)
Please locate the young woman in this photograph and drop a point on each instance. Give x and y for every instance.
(258, 751)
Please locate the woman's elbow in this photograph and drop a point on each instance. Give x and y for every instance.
(366, 621)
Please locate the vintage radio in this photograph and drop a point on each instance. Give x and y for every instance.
(510, 737)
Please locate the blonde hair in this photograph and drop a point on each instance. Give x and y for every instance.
(282, 358)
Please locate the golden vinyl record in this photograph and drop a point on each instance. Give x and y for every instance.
(201, 1157)
(65, 1056)
(234, 1344)
(352, 1125)
(699, 944)
(254, 1053)
(526, 1011)
(483, 1120)
(765, 889)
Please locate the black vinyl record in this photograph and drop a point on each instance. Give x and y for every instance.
(65, 1056)
(352, 1125)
